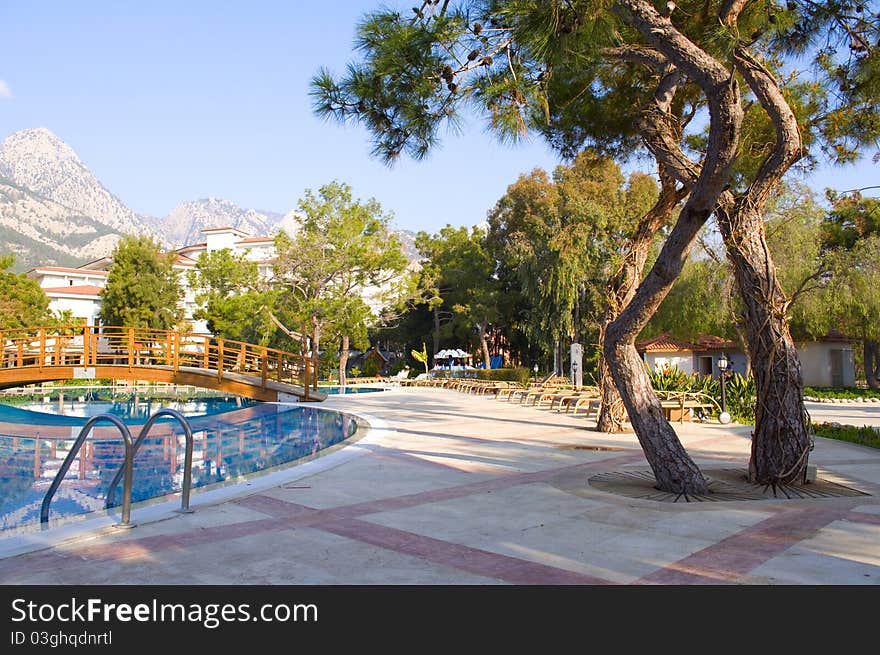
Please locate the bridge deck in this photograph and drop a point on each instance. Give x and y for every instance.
(37, 355)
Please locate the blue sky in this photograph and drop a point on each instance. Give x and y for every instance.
(173, 101)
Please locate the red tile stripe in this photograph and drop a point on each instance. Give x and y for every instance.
(464, 558)
(737, 555)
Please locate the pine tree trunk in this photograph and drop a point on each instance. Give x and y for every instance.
(484, 345)
(436, 334)
(871, 352)
(612, 412)
(622, 288)
(673, 468)
(781, 442)
(343, 360)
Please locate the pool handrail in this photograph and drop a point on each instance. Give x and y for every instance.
(186, 485)
(74, 451)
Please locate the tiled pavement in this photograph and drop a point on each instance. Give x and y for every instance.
(449, 488)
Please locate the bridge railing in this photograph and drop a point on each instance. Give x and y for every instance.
(90, 346)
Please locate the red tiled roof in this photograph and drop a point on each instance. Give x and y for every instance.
(77, 290)
(225, 228)
(62, 269)
(834, 335)
(104, 261)
(256, 240)
(711, 342)
(665, 343)
(193, 246)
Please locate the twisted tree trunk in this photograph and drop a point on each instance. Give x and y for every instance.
(673, 468)
(782, 439)
(343, 360)
(622, 288)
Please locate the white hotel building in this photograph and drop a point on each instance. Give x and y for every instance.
(79, 289)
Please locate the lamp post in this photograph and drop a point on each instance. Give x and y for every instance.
(535, 369)
(723, 417)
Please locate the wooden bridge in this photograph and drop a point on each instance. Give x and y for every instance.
(35, 355)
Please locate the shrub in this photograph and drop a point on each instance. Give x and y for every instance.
(741, 396)
(520, 375)
(832, 392)
(670, 379)
(865, 436)
(739, 390)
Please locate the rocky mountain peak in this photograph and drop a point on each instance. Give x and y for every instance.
(186, 221)
(44, 164)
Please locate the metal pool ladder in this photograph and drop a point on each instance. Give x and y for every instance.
(131, 448)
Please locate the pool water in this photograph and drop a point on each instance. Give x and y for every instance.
(231, 440)
(341, 390)
(131, 409)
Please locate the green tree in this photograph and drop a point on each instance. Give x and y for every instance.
(143, 289)
(233, 297)
(793, 224)
(564, 240)
(464, 273)
(851, 236)
(343, 257)
(22, 302)
(649, 73)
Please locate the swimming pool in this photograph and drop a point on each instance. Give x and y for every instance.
(340, 390)
(131, 408)
(231, 441)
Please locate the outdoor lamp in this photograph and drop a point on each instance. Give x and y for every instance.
(723, 417)
(535, 369)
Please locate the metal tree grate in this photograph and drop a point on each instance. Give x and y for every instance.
(724, 484)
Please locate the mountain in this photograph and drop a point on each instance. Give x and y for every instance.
(41, 232)
(54, 211)
(39, 161)
(185, 223)
(408, 244)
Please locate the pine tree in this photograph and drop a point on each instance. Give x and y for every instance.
(143, 289)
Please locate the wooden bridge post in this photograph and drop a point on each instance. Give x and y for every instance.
(43, 347)
(264, 365)
(87, 342)
(130, 348)
(219, 359)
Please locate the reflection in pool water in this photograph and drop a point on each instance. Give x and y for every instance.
(231, 441)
